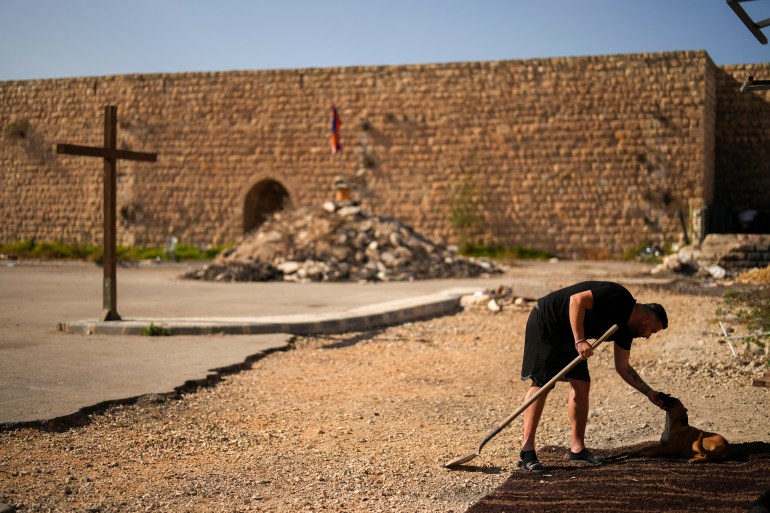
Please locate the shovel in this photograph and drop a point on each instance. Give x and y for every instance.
(468, 457)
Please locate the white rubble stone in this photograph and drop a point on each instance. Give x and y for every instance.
(288, 267)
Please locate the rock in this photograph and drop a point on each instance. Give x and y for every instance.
(349, 211)
(477, 298)
(288, 267)
(716, 271)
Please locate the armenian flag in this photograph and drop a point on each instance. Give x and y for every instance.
(336, 124)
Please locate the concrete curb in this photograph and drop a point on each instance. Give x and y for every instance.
(356, 319)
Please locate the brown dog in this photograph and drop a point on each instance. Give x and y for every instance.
(681, 439)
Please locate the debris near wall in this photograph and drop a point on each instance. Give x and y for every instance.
(496, 300)
(719, 256)
(755, 276)
(338, 242)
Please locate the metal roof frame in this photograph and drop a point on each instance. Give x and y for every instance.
(754, 26)
(754, 85)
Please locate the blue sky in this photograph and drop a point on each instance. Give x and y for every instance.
(68, 38)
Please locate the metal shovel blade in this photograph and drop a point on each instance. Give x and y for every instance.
(462, 459)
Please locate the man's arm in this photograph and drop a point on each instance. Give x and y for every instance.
(630, 376)
(578, 304)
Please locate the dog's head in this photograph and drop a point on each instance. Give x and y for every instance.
(674, 407)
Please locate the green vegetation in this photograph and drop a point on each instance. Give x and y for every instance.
(153, 330)
(503, 253)
(751, 306)
(466, 199)
(647, 252)
(30, 249)
(47, 250)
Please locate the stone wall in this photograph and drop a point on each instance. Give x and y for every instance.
(742, 149)
(583, 157)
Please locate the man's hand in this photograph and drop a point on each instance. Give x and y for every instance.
(654, 398)
(584, 349)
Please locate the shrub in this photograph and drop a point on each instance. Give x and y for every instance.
(153, 330)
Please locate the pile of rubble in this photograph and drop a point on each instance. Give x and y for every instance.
(691, 261)
(338, 242)
(719, 256)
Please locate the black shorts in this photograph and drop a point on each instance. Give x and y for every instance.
(544, 358)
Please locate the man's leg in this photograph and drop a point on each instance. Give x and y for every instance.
(532, 418)
(578, 412)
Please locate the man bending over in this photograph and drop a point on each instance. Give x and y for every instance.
(557, 331)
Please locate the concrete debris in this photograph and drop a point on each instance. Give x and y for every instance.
(716, 271)
(690, 261)
(496, 300)
(494, 306)
(719, 256)
(338, 242)
(685, 262)
(477, 298)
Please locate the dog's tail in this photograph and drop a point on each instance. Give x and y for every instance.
(698, 445)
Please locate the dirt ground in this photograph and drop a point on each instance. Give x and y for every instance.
(637, 485)
(365, 422)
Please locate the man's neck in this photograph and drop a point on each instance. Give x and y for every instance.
(636, 316)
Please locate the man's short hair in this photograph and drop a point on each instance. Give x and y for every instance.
(658, 312)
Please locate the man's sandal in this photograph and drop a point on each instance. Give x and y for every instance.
(532, 466)
(585, 457)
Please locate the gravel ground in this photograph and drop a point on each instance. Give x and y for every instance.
(365, 421)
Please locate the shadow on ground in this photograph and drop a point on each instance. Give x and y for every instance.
(632, 484)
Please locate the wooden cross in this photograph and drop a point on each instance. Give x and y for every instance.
(110, 153)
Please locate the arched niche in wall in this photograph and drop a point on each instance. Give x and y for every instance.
(264, 198)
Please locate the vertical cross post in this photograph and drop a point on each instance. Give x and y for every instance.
(110, 153)
(110, 292)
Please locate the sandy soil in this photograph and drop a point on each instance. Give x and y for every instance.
(366, 421)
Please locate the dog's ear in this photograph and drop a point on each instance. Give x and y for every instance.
(666, 400)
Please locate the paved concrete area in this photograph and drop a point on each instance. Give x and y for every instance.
(47, 373)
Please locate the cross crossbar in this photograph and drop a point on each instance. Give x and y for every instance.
(107, 153)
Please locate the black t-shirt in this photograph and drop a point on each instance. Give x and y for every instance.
(613, 304)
